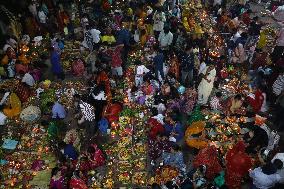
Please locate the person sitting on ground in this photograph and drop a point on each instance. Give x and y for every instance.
(266, 177)
(215, 102)
(58, 110)
(174, 158)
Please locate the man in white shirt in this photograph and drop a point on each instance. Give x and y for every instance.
(28, 79)
(165, 39)
(159, 19)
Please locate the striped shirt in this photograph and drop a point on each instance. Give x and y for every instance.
(278, 85)
(215, 103)
(88, 111)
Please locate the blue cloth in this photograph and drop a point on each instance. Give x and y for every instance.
(187, 62)
(159, 61)
(123, 37)
(174, 159)
(178, 129)
(58, 111)
(61, 45)
(103, 125)
(9, 144)
(70, 152)
(3, 162)
(159, 64)
(55, 62)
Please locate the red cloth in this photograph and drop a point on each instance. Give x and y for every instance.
(21, 67)
(260, 61)
(115, 56)
(246, 18)
(257, 102)
(238, 164)
(98, 158)
(62, 19)
(23, 92)
(113, 110)
(156, 128)
(209, 157)
(76, 183)
(78, 67)
(103, 79)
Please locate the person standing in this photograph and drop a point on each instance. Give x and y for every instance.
(159, 63)
(187, 65)
(206, 85)
(165, 40)
(56, 65)
(116, 61)
(159, 19)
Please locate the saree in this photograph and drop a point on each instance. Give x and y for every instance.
(13, 107)
(205, 87)
(238, 164)
(209, 157)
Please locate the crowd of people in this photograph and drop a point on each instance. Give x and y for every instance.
(208, 73)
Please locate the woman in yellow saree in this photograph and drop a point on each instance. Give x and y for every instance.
(196, 128)
(13, 106)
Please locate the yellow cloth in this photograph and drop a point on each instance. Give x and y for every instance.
(5, 60)
(108, 38)
(235, 105)
(195, 128)
(262, 40)
(13, 107)
(185, 24)
(23, 59)
(143, 39)
(2, 72)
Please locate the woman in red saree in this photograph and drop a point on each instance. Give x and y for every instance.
(238, 162)
(111, 112)
(96, 156)
(257, 101)
(76, 182)
(208, 156)
(155, 128)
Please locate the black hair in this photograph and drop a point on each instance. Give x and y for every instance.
(176, 147)
(155, 186)
(54, 171)
(269, 169)
(249, 11)
(238, 97)
(49, 104)
(98, 89)
(51, 49)
(76, 173)
(61, 145)
(202, 168)
(156, 47)
(76, 96)
(134, 89)
(170, 185)
(218, 94)
(91, 149)
(278, 164)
